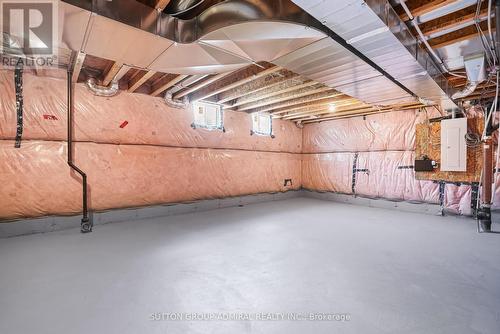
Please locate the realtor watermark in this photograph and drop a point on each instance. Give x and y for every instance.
(29, 33)
(244, 316)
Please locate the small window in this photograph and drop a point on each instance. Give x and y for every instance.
(262, 124)
(207, 116)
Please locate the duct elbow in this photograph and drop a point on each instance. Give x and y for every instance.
(469, 89)
(171, 102)
(106, 91)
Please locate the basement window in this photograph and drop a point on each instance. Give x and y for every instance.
(262, 124)
(207, 116)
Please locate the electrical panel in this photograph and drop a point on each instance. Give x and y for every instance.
(453, 145)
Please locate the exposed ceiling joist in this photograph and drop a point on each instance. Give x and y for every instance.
(303, 100)
(157, 90)
(420, 7)
(200, 85)
(347, 105)
(112, 72)
(234, 80)
(79, 59)
(285, 97)
(283, 87)
(256, 86)
(363, 112)
(458, 35)
(351, 111)
(452, 20)
(306, 106)
(161, 4)
(139, 79)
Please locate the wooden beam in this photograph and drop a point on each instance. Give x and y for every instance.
(306, 99)
(138, 80)
(420, 7)
(257, 86)
(284, 97)
(79, 59)
(284, 87)
(168, 84)
(161, 4)
(463, 16)
(110, 75)
(234, 80)
(458, 35)
(200, 85)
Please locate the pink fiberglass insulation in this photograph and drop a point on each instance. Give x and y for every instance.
(327, 172)
(148, 119)
(37, 181)
(383, 132)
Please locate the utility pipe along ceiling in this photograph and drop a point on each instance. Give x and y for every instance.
(361, 49)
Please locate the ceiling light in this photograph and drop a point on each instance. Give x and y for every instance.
(332, 107)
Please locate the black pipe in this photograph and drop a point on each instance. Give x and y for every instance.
(86, 224)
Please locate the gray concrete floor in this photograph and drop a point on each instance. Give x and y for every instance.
(392, 272)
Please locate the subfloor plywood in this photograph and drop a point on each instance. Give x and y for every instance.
(392, 272)
(428, 143)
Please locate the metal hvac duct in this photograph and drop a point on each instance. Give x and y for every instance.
(363, 49)
(373, 29)
(219, 39)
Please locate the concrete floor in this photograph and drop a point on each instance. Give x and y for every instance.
(392, 272)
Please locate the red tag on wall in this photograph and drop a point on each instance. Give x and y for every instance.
(124, 124)
(50, 117)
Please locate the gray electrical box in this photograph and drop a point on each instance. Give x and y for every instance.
(453, 145)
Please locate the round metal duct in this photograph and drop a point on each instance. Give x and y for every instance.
(180, 7)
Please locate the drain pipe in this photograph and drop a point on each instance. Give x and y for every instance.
(86, 224)
(484, 212)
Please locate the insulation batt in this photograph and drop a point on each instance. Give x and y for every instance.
(37, 180)
(155, 157)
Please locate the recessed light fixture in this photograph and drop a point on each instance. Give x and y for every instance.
(332, 107)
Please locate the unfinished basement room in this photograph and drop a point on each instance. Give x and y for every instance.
(249, 166)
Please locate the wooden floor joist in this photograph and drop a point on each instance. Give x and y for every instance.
(257, 86)
(284, 87)
(234, 80)
(420, 7)
(458, 35)
(303, 100)
(111, 73)
(139, 79)
(173, 80)
(452, 20)
(305, 92)
(200, 85)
